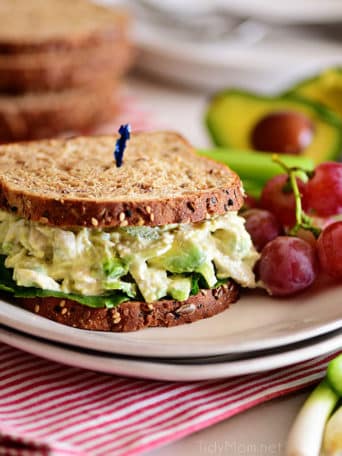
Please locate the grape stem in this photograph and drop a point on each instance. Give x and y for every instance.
(303, 221)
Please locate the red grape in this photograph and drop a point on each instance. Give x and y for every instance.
(281, 203)
(250, 202)
(307, 236)
(262, 227)
(330, 250)
(287, 265)
(323, 192)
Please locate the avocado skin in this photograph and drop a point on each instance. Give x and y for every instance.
(324, 88)
(316, 112)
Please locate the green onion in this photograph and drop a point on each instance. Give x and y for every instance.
(306, 434)
(333, 432)
(333, 435)
(334, 374)
(252, 188)
(255, 166)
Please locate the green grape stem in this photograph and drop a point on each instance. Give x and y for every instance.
(303, 221)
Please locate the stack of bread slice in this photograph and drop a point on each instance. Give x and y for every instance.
(60, 66)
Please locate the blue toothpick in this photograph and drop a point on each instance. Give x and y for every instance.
(120, 146)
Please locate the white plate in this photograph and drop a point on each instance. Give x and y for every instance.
(255, 322)
(290, 12)
(280, 12)
(253, 56)
(166, 370)
(270, 66)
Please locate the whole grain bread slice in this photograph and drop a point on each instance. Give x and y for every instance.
(47, 114)
(41, 71)
(42, 25)
(75, 182)
(135, 315)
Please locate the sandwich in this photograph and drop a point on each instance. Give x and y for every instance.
(61, 64)
(53, 45)
(98, 246)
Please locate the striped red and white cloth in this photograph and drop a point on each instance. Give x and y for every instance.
(49, 408)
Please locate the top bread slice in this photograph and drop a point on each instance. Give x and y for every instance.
(75, 182)
(41, 25)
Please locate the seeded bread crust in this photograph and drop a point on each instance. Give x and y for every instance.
(45, 25)
(47, 114)
(135, 315)
(38, 72)
(75, 182)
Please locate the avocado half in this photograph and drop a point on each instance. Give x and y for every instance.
(325, 88)
(233, 114)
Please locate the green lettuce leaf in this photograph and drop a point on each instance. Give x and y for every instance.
(8, 285)
(195, 287)
(198, 283)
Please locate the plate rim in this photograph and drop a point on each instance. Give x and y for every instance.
(121, 343)
(167, 371)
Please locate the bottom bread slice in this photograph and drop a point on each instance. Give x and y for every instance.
(135, 315)
(47, 114)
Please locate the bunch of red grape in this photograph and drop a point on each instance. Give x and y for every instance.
(290, 263)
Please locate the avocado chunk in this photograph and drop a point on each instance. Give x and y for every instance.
(233, 116)
(208, 273)
(325, 88)
(183, 256)
(179, 287)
